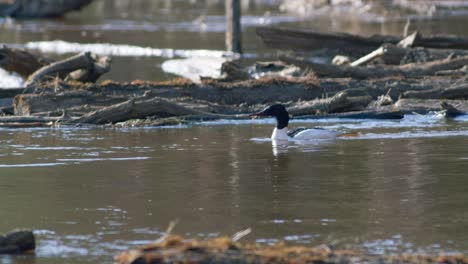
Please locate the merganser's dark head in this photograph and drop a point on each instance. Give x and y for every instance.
(278, 111)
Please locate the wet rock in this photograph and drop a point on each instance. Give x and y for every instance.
(17, 242)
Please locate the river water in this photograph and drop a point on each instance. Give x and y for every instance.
(397, 186)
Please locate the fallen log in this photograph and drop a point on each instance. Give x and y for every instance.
(20, 61)
(38, 9)
(453, 92)
(136, 108)
(394, 55)
(407, 70)
(93, 66)
(365, 114)
(296, 39)
(341, 102)
(226, 98)
(28, 104)
(27, 119)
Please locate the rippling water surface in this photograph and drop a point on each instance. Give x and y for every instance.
(397, 186)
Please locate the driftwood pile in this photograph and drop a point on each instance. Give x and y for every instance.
(174, 249)
(390, 81)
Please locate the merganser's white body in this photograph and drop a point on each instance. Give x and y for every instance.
(280, 134)
(281, 130)
(308, 134)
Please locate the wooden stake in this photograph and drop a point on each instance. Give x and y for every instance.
(233, 26)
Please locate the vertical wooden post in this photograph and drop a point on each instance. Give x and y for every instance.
(233, 26)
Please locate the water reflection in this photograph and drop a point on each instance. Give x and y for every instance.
(279, 146)
(123, 187)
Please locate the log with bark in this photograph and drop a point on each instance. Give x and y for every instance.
(378, 71)
(459, 91)
(38, 9)
(296, 39)
(225, 98)
(84, 67)
(116, 102)
(20, 61)
(395, 55)
(364, 114)
(341, 102)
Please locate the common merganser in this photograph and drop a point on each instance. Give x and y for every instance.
(281, 130)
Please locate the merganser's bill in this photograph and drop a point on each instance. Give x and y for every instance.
(281, 130)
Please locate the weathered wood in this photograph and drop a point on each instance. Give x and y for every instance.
(364, 114)
(86, 61)
(341, 102)
(28, 104)
(230, 98)
(369, 57)
(36, 9)
(407, 70)
(27, 119)
(233, 26)
(295, 39)
(454, 92)
(20, 61)
(99, 67)
(136, 108)
(409, 41)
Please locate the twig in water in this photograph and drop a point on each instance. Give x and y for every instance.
(169, 229)
(241, 234)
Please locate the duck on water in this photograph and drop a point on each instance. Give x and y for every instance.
(281, 130)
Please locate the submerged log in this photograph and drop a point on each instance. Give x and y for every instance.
(37, 9)
(296, 39)
(17, 242)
